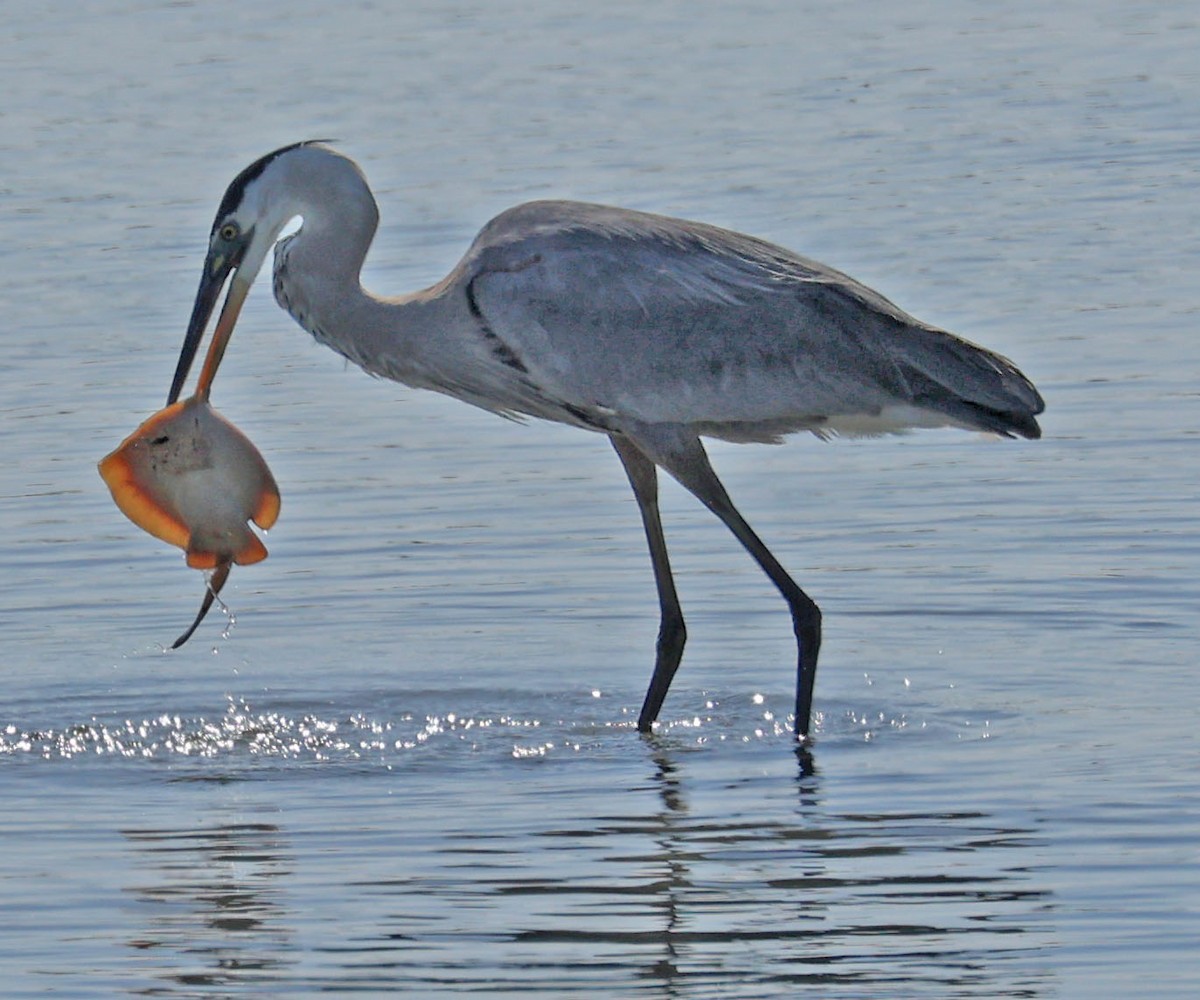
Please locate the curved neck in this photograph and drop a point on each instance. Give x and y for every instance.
(318, 273)
(318, 282)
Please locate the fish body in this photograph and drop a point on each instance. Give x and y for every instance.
(191, 478)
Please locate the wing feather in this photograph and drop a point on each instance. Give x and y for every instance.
(662, 320)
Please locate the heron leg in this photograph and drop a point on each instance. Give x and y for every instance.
(683, 456)
(672, 633)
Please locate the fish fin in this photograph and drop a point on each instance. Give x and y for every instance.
(209, 553)
(137, 504)
(267, 510)
(198, 559)
(253, 551)
(212, 588)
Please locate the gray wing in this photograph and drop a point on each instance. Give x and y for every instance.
(626, 315)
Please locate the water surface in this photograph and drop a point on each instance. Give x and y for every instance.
(410, 763)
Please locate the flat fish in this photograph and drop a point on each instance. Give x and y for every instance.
(192, 479)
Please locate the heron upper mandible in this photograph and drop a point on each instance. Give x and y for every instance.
(652, 330)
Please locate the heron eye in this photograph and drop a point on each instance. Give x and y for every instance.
(229, 232)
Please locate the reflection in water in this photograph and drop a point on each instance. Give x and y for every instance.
(456, 863)
(685, 903)
(933, 899)
(213, 915)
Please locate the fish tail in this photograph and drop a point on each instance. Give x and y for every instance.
(211, 590)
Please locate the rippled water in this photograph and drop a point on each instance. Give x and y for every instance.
(409, 764)
(346, 852)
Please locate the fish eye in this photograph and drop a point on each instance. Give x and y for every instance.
(228, 232)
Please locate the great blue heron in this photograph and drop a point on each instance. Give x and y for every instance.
(651, 330)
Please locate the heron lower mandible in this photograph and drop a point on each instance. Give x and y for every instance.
(651, 330)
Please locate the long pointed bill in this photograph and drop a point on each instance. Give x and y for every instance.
(206, 298)
(211, 282)
(238, 288)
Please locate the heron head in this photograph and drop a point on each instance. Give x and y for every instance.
(248, 222)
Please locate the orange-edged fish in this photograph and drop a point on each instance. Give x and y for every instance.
(191, 478)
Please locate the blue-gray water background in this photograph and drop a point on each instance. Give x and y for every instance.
(411, 766)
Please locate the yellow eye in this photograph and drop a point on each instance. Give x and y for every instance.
(228, 232)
